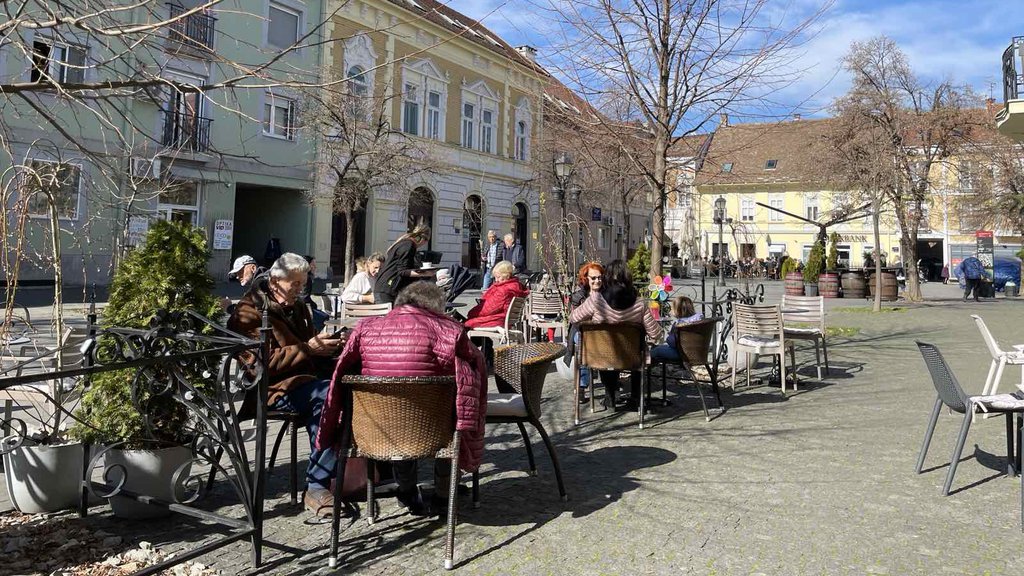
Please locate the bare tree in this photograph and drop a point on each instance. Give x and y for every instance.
(915, 125)
(678, 63)
(361, 152)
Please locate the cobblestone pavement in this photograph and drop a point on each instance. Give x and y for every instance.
(818, 481)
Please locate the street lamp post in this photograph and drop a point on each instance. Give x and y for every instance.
(721, 219)
(562, 166)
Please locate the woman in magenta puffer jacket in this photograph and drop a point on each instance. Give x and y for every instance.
(491, 310)
(415, 339)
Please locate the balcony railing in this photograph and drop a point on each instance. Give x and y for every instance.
(1013, 77)
(186, 131)
(194, 30)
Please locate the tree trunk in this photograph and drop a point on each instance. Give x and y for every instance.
(909, 248)
(350, 245)
(876, 217)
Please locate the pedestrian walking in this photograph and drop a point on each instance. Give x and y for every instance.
(945, 274)
(972, 271)
(495, 253)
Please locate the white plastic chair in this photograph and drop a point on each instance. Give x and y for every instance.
(511, 331)
(1000, 359)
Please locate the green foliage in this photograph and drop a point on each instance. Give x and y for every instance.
(1020, 253)
(833, 251)
(789, 265)
(640, 265)
(168, 271)
(815, 261)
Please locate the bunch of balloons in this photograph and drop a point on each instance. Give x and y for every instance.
(660, 288)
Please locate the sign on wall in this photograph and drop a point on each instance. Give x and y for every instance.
(138, 226)
(595, 214)
(223, 231)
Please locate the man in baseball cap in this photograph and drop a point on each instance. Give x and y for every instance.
(244, 269)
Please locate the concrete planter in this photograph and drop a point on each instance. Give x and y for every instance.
(148, 472)
(43, 478)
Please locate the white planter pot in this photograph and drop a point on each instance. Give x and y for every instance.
(43, 478)
(150, 473)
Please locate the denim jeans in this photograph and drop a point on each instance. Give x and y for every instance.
(584, 371)
(488, 279)
(308, 400)
(664, 353)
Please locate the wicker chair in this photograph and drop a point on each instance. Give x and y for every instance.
(611, 347)
(814, 317)
(952, 395)
(398, 418)
(758, 330)
(519, 373)
(693, 343)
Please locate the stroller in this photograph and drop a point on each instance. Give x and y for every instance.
(457, 280)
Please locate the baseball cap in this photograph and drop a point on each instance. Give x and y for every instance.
(240, 262)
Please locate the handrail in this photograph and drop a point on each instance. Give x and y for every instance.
(1013, 79)
(193, 29)
(186, 131)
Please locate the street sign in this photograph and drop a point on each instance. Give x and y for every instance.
(595, 214)
(985, 249)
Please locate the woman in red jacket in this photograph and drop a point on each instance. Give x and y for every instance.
(491, 310)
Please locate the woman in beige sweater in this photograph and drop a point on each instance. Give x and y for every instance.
(618, 303)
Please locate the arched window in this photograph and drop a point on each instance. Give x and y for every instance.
(472, 224)
(357, 83)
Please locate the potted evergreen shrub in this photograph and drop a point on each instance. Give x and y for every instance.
(789, 271)
(167, 272)
(812, 269)
(828, 281)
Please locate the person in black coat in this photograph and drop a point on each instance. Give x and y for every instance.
(515, 253)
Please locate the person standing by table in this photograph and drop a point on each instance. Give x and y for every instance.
(495, 253)
(399, 268)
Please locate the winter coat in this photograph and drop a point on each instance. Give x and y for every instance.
(491, 310)
(412, 341)
(596, 309)
(517, 256)
(291, 363)
(972, 269)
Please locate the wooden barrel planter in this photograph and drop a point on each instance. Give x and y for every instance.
(828, 285)
(890, 287)
(795, 284)
(853, 285)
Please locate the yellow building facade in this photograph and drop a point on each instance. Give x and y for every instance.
(468, 98)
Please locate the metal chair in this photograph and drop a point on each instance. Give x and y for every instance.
(758, 330)
(511, 329)
(398, 418)
(1000, 358)
(693, 343)
(814, 315)
(519, 373)
(363, 310)
(544, 311)
(953, 397)
(621, 347)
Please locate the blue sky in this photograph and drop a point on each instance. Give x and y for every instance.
(943, 39)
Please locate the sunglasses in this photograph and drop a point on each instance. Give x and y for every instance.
(595, 277)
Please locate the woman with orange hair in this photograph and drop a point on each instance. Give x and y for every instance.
(590, 279)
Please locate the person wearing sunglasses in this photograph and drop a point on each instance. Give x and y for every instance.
(590, 279)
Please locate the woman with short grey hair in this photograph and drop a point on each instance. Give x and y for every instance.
(426, 295)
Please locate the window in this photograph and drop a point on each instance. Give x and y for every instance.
(411, 110)
(179, 202)
(56, 62)
(727, 167)
(771, 164)
(357, 81)
(811, 207)
(282, 26)
(487, 131)
(279, 117)
(434, 115)
(602, 237)
(968, 176)
(775, 202)
(51, 180)
(521, 133)
(747, 210)
(468, 111)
